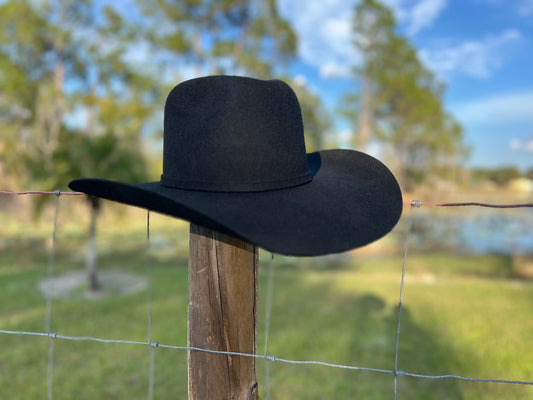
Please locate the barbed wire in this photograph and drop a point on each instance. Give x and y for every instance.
(413, 203)
(418, 204)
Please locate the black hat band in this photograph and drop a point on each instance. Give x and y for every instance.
(236, 186)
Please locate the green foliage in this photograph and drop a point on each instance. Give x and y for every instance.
(315, 118)
(399, 102)
(105, 156)
(219, 36)
(58, 78)
(80, 68)
(499, 176)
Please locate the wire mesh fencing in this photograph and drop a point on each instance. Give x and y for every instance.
(154, 362)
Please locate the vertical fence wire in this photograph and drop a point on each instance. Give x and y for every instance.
(148, 267)
(48, 323)
(400, 304)
(268, 312)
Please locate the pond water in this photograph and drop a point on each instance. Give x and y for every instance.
(478, 231)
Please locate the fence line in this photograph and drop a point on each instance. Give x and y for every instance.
(268, 357)
(51, 268)
(413, 203)
(148, 267)
(56, 192)
(268, 312)
(400, 303)
(418, 203)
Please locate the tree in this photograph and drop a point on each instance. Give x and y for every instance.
(373, 25)
(316, 119)
(219, 37)
(81, 81)
(499, 176)
(398, 101)
(107, 155)
(37, 55)
(55, 70)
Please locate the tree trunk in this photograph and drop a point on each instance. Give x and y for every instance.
(364, 128)
(222, 316)
(91, 256)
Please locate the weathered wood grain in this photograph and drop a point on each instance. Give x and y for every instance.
(222, 316)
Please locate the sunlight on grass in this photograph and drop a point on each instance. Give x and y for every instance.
(462, 314)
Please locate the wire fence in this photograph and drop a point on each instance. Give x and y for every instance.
(153, 345)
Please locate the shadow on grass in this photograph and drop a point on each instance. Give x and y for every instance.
(340, 315)
(314, 319)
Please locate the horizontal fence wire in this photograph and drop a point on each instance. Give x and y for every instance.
(56, 192)
(268, 357)
(418, 204)
(413, 203)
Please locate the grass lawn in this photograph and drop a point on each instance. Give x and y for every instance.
(462, 315)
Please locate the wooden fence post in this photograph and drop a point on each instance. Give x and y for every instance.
(222, 316)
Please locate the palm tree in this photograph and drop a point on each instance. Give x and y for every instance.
(107, 156)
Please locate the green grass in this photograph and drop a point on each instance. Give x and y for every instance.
(462, 315)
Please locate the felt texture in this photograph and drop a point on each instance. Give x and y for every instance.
(233, 135)
(234, 160)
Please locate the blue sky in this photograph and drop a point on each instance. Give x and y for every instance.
(481, 49)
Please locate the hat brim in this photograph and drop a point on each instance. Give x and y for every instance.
(352, 201)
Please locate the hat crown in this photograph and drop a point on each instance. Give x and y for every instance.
(234, 134)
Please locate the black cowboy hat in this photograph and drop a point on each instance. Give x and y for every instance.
(234, 160)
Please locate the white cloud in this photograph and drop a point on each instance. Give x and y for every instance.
(424, 14)
(420, 15)
(324, 29)
(517, 144)
(334, 70)
(324, 33)
(498, 110)
(300, 80)
(474, 58)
